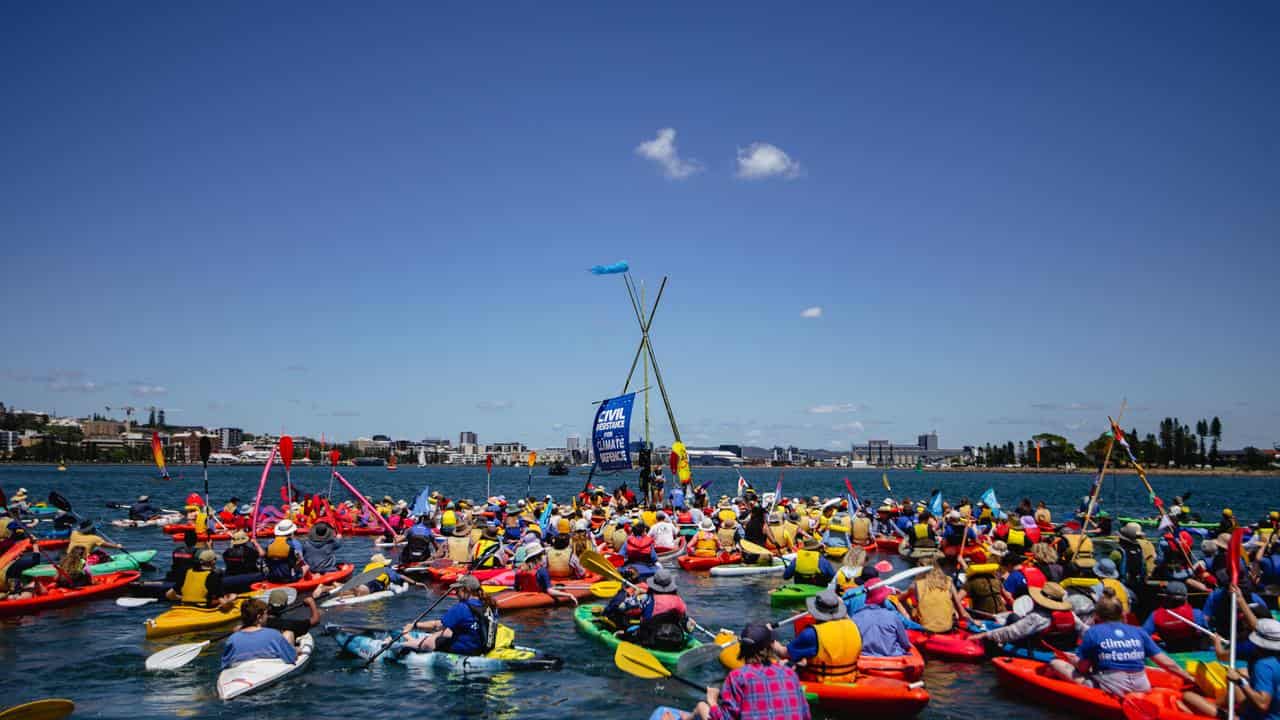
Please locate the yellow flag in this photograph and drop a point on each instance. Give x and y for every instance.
(533, 458)
(884, 477)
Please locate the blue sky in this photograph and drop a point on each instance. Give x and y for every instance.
(323, 217)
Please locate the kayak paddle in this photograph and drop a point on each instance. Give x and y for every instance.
(605, 589)
(753, 548)
(635, 660)
(48, 709)
(704, 654)
(172, 658)
(133, 602)
(400, 635)
(596, 563)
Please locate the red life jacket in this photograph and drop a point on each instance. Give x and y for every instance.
(1171, 629)
(527, 581)
(1033, 535)
(1035, 578)
(684, 517)
(1061, 632)
(639, 548)
(668, 602)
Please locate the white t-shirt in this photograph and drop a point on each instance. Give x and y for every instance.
(663, 534)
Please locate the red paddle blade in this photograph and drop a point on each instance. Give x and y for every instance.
(286, 451)
(488, 463)
(334, 457)
(1233, 554)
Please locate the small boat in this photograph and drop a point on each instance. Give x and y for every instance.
(253, 675)
(391, 462)
(558, 468)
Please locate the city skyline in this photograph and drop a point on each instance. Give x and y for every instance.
(987, 222)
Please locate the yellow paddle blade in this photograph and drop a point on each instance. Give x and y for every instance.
(506, 637)
(51, 709)
(596, 563)
(635, 660)
(605, 588)
(491, 589)
(752, 548)
(729, 654)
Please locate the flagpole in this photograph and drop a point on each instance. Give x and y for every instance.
(1106, 461)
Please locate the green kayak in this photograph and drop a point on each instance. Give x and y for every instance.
(1153, 522)
(123, 561)
(788, 595)
(585, 619)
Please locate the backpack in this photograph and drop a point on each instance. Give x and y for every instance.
(487, 620)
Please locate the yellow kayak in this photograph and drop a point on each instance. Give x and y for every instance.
(191, 619)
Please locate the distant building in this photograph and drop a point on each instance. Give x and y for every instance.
(229, 437)
(507, 453)
(466, 437)
(572, 446)
(101, 428)
(10, 440)
(185, 447)
(735, 449)
(929, 442)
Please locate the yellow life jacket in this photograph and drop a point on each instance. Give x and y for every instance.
(728, 536)
(966, 511)
(618, 538)
(1122, 593)
(278, 549)
(459, 549)
(558, 562)
(824, 521)
(933, 605)
(845, 577)
(384, 578)
(724, 515)
(649, 518)
(861, 531)
(839, 645)
(921, 536)
(982, 569)
(1148, 555)
(807, 563)
(88, 541)
(705, 545)
(449, 519)
(194, 590)
(1080, 547)
(482, 546)
(1017, 538)
(201, 522)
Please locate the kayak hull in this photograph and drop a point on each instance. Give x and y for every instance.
(161, 520)
(794, 594)
(254, 675)
(117, 563)
(736, 569)
(955, 646)
(869, 696)
(1033, 681)
(365, 645)
(694, 563)
(391, 591)
(311, 582)
(585, 619)
(56, 597)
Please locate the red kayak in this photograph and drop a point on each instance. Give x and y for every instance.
(1036, 682)
(512, 600)
(909, 667)
(693, 563)
(956, 646)
(869, 696)
(311, 582)
(54, 596)
(669, 553)
(888, 544)
(222, 536)
(13, 553)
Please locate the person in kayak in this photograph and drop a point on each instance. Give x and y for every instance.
(457, 547)
(241, 560)
(936, 602)
(640, 547)
(704, 542)
(468, 628)
(381, 582)
(809, 566)
(533, 575)
(287, 620)
(760, 689)
(664, 620)
(664, 533)
(921, 538)
(85, 537)
(1176, 635)
(320, 548)
(882, 630)
(983, 589)
(1113, 654)
(828, 650)
(1258, 686)
(562, 562)
(419, 542)
(487, 552)
(1109, 577)
(1075, 549)
(202, 585)
(284, 554)
(182, 558)
(71, 571)
(623, 609)
(1051, 620)
(254, 641)
(1217, 607)
(778, 536)
(142, 509)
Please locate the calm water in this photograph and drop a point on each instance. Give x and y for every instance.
(93, 654)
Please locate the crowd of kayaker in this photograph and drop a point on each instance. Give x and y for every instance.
(1080, 605)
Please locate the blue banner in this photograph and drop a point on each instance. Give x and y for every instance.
(611, 433)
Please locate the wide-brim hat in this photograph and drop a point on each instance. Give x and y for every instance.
(239, 537)
(378, 558)
(826, 606)
(706, 524)
(285, 528)
(1266, 635)
(1106, 568)
(1027, 521)
(1051, 597)
(461, 529)
(812, 543)
(1131, 531)
(663, 582)
(999, 548)
(320, 531)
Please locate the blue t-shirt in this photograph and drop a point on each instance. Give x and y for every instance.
(544, 578)
(1016, 583)
(264, 643)
(420, 530)
(462, 623)
(804, 645)
(1264, 676)
(1115, 646)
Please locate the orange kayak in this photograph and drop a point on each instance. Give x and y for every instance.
(512, 600)
(869, 696)
(1036, 682)
(55, 596)
(693, 563)
(957, 645)
(311, 582)
(909, 667)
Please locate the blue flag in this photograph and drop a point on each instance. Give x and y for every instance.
(989, 499)
(611, 433)
(545, 520)
(935, 505)
(422, 504)
(614, 269)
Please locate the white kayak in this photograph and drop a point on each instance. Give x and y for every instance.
(384, 544)
(253, 675)
(738, 569)
(158, 520)
(361, 599)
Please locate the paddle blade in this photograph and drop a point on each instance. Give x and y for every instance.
(494, 589)
(175, 657)
(752, 548)
(133, 602)
(606, 589)
(1233, 554)
(488, 463)
(206, 448)
(533, 458)
(596, 563)
(56, 500)
(728, 644)
(51, 709)
(697, 657)
(286, 451)
(506, 637)
(334, 457)
(635, 660)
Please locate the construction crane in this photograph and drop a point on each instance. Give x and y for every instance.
(128, 416)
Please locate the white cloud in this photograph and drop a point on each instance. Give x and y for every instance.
(143, 390)
(833, 408)
(662, 150)
(849, 427)
(494, 404)
(759, 161)
(813, 312)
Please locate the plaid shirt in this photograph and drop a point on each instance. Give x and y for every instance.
(761, 692)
